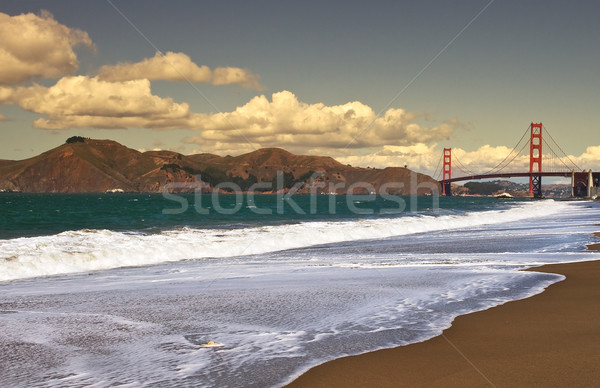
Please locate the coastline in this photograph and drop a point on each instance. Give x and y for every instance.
(549, 339)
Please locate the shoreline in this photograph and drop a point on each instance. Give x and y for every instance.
(549, 339)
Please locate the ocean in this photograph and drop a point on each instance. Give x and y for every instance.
(123, 289)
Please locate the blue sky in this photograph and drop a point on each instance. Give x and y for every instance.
(334, 68)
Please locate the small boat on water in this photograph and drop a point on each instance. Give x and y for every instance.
(504, 195)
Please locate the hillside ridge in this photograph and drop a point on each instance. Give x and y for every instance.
(84, 165)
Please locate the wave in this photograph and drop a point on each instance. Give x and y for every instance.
(88, 250)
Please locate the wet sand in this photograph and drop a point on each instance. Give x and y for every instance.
(550, 339)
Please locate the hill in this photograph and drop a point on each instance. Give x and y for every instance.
(87, 165)
(516, 189)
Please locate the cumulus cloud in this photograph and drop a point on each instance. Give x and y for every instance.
(590, 159)
(7, 96)
(236, 75)
(486, 158)
(427, 158)
(81, 101)
(591, 155)
(178, 67)
(171, 67)
(285, 121)
(37, 46)
(419, 156)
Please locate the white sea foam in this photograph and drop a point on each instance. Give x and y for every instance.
(279, 313)
(88, 250)
(137, 335)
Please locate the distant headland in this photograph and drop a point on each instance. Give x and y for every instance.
(83, 165)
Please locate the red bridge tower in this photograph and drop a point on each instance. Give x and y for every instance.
(535, 161)
(447, 172)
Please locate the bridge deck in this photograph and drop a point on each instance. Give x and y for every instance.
(507, 175)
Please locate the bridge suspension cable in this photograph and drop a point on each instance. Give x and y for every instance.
(462, 167)
(498, 167)
(435, 174)
(563, 152)
(550, 159)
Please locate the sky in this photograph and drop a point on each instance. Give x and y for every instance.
(383, 83)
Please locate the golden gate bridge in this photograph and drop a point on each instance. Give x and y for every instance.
(555, 162)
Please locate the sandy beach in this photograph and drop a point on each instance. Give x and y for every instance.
(551, 339)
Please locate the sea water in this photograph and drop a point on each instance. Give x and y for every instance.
(123, 289)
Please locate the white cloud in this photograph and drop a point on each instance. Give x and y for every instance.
(590, 159)
(170, 67)
(7, 96)
(178, 67)
(486, 158)
(591, 155)
(287, 122)
(225, 148)
(420, 156)
(37, 46)
(82, 101)
(236, 75)
(427, 158)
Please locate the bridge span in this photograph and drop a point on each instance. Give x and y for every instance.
(506, 175)
(583, 183)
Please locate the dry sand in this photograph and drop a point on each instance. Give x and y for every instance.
(551, 339)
